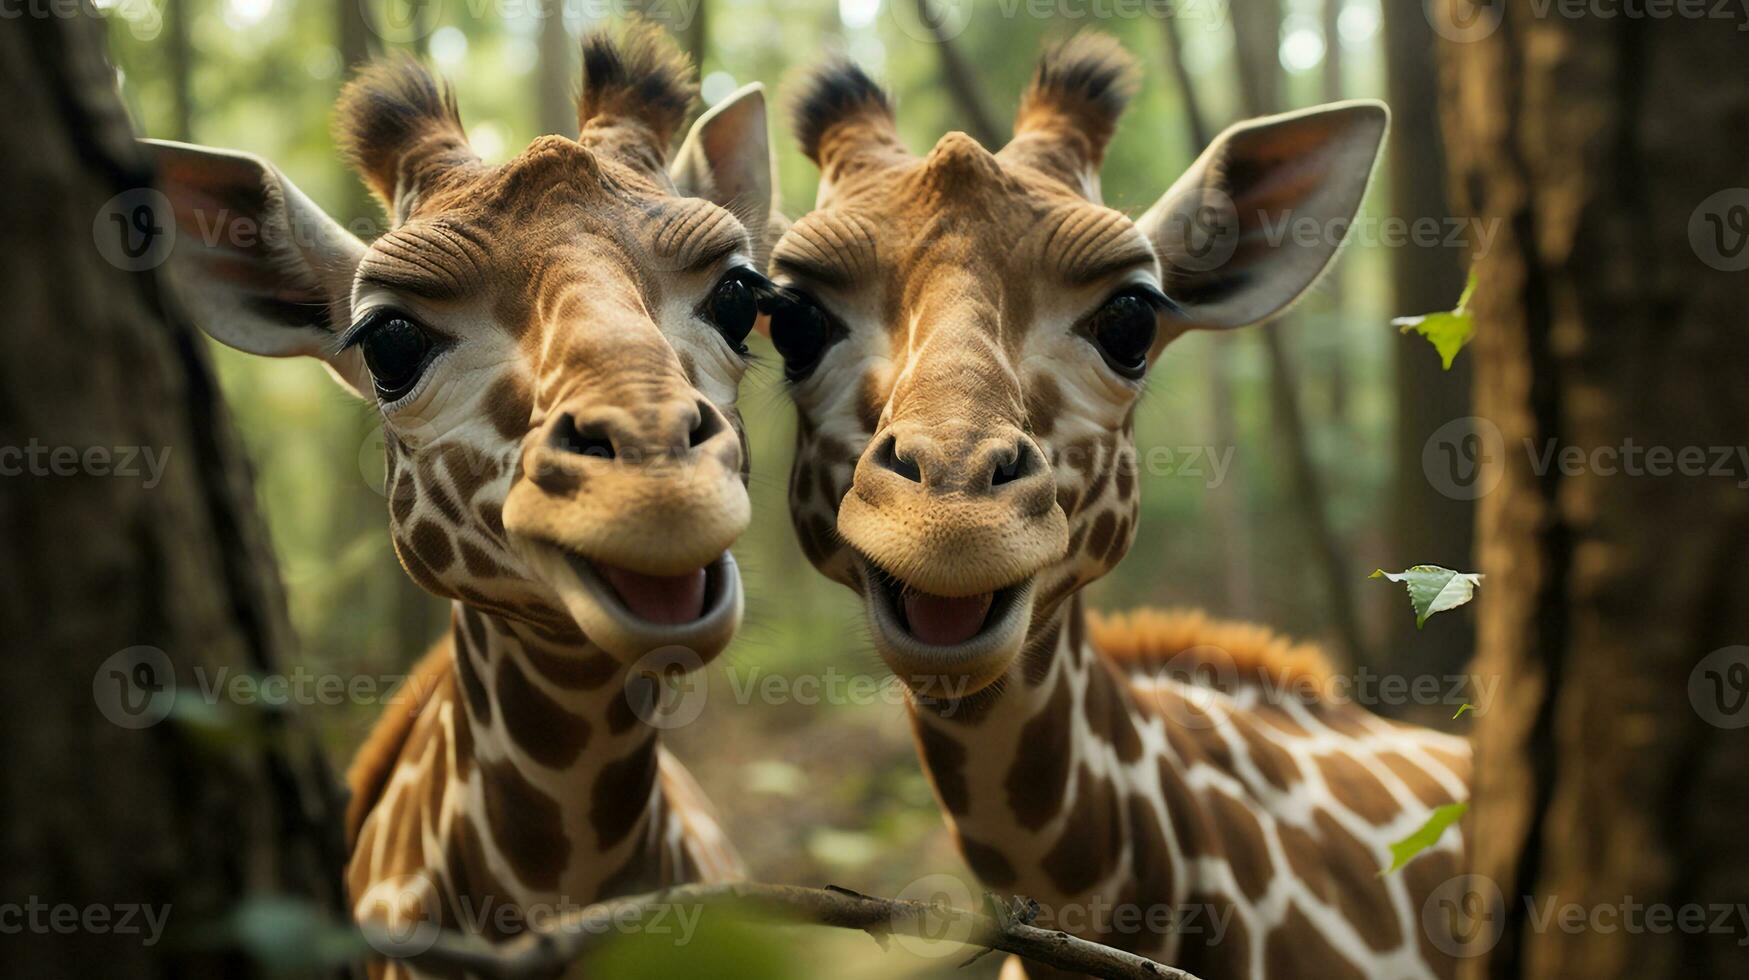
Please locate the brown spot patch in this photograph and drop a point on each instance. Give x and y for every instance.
(1356, 789)
(622, 793)
(1110, 714)
(944, 758)
(1424, 786)
(1211, 950)
(1040, 776)
(1247, 852)
(1092, 837)
(1351, 882)
(527, 825)
(509, 405)
(1190, 822)
(1044, 402)
(1099, 540)
(431, 544)
(1297, 948)
(1271, 760)
(987, 863)
(542, 727)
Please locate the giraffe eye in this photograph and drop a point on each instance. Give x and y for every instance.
(396, 350)
(733, 306)
(801, 332)
(1123, 330)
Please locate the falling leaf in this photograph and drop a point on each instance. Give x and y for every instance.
(1433, 589)
(1403, 851)
(1447, 331)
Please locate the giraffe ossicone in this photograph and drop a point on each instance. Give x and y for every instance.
(966, 336)
(555, 345)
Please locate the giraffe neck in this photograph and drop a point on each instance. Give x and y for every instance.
(1046, 776)
(567, 768)
(528, 782)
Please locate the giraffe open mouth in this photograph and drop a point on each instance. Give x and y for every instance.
(924, 636)
(631, 613)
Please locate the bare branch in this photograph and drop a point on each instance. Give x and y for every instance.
(550, 951)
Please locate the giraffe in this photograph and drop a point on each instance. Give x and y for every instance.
(554, 345)
(965, 336)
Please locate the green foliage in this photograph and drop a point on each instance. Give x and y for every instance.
(723, 944)
(1403, 851)
(1448, 331)
(286, 935)
(1433, 589)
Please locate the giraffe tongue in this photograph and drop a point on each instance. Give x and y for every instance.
(942, 621)
(666, 600)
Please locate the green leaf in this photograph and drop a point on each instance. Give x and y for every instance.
(1433, 589)
(1461, 709)
(1448, 331)
(1403, 851)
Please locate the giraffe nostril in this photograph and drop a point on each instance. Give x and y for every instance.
(585, 440)
(1021, 463)
(709, 425)
(889, 458)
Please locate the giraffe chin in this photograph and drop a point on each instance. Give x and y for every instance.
(954, 669)
(604, 615)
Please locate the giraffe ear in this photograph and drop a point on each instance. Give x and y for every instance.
(1257, 219)
(726, 159)
(258, 264)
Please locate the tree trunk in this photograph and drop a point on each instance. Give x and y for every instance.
(1428, 526)
(1614, 774)
(108, 552)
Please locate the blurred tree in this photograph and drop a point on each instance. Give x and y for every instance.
(1427, 526)
(975, 113)
(1231, 526)
(178, 14)
(1257, 37)
(556, 109)
(103, 808)
(1609, 342)
(1333, 363)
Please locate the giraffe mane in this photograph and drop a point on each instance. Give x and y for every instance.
(1141, 641)
(642, 76)
(376, 759)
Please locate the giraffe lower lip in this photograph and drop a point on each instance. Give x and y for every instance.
(944, 620)
(666, 600)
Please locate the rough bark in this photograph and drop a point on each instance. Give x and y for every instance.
(1607, 775)
(94, 357)
(1428, 526)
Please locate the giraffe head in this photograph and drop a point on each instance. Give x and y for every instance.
(966, 335)
(554, 343)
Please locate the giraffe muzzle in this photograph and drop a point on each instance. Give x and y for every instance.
(937, 643)
(632, 614)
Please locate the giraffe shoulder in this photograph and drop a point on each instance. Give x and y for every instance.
(1192, 644)
(375, 760)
